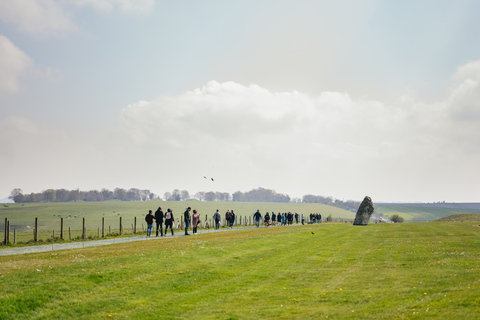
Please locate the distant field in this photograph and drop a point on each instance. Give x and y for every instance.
(463, 217)
(22, 218)
(426, 211)
(334, 271)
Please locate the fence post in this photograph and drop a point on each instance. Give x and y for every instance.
(61, 228)
(135, 225)
(69, 234)
(14, 236)
(5, 235)
(181, 222)
(83, 230)
(8, 231)
(98, 232)
(121, 227)
(103, 227)
(35, 232)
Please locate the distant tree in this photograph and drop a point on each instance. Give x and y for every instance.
(200, 195)
(107, 194)
(17, 195)
(184, 195)
(49, 195)
(120, 194)
(61, 195)
(167, 196)
(176, 195)
(210, 196)
(396, 218)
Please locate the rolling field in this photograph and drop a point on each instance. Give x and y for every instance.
(334, 271)
(22, 218)
(426, 211)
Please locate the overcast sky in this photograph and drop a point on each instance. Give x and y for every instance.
(333, 98)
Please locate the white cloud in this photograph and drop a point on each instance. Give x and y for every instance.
(327, 142)
(14, 63)
(36, 17)
(247, 136)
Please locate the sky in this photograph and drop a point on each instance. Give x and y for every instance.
(334, 98)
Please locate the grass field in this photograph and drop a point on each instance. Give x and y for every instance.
(415, 212)
(22, 218)
(380, 271)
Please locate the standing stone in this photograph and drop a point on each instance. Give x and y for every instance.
(364, 212)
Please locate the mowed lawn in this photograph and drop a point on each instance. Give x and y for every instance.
(341, 271)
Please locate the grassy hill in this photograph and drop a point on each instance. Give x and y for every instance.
(426, 211)
(463, 217)
(339, 271)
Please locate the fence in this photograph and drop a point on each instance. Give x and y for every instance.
(64, 233)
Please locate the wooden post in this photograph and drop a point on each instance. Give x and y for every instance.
(83, 230)
(69, 234)
(103, 227)
(35, 232)
(121, 227)
(249, 221)
(53, 233)
(98, 232)
(6, 238)
(8, 231)
(14, 236)
(109, 230)
(181, 222)
(135, 225)
(61, 228)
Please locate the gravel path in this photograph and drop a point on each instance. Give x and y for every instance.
(96, 243)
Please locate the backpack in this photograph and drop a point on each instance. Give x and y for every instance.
(168, 215)
(229, 215)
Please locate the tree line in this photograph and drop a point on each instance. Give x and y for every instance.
(133, 194)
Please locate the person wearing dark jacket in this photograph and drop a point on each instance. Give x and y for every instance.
(149, 220)
(159, 220)
(169, 221)
(186, 217)
(257, 215)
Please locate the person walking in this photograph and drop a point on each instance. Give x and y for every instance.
(267, 219)
(186, 218)
(228, 217)
(257, 215)
(232, 219)
(296, 218)
(274, 218)
(217, 217)
(195, 221)
(149, 220)
(303, 219)
(279, 219)
(169, 221)
(159, 220)
(283, 219)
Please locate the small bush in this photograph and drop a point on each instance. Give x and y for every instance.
(396, 218)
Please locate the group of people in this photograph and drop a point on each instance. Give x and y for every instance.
(282, 219)
(168, 219)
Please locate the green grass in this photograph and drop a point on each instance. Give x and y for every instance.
(463, 217)
(424, 212)
(380, 271)
(22, 218)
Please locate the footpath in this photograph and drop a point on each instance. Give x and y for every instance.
(96, 243)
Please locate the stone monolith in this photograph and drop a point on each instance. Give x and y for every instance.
(364, 212)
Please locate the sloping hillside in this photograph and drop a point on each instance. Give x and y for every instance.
(415, 212)
(463, 217)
